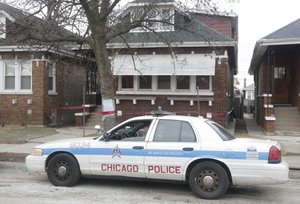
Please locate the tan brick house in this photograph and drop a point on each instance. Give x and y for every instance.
(194, 77)
(275, 65)
(35, 81)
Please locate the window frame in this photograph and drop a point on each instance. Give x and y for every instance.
(189, 83)
(150, 83)
(139, 124)
(121, 82)
(52, 74)
(170, 83)
(182, 122)
(173, 91)
(17, 66)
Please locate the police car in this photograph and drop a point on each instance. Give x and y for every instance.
(171, 147)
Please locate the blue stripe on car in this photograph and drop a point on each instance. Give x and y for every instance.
(157, 153)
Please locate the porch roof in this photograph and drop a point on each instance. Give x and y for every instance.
(287, 35)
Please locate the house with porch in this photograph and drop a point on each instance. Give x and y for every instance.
(38, 84)
(185, 66)
(275, 65)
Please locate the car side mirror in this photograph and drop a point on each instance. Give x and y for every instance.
(106, 137)
(98, 127)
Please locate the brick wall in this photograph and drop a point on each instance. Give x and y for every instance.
(221, 87)
(222, 24)
(33, 109)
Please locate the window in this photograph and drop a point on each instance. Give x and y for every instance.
(10, 76)
(164, 82)
(131, 131)
(202, 82)
(279, 73)
(2, 26)
(127, 82)
(222, 132)
(16, 75)
(174, 131)
(157, 19)
(183, 82)
(145, 82)
(26, 75)
(52, 79)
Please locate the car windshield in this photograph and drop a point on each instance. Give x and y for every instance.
(222, 132)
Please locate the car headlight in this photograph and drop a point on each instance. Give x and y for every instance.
(37, 152)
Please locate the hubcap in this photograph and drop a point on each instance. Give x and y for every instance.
(208, 180)
(61, 171)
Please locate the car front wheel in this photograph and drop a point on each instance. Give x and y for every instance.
(208, 180)
(63, 170)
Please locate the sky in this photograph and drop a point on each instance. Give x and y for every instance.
(257, 19)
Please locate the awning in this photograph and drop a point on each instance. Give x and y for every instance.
(158, 64)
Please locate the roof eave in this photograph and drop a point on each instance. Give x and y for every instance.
(174, 44)
(262, 45)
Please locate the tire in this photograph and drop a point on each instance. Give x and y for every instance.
(63, 170)
(208, 180)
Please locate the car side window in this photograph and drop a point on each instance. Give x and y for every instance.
(131, 131)
(174, 131)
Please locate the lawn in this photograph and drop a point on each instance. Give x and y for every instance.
(20, 135)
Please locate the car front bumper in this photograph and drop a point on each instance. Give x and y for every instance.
(35, 163)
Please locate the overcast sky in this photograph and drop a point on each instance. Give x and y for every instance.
(258, 18)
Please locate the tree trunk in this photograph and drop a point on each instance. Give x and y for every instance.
(105, 80)
(104, 73)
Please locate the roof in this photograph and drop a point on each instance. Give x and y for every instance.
(287, 35)
(187, 31)
(21, 26)
(289, 31)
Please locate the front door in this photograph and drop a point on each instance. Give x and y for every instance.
(281, 85)
(123, 153)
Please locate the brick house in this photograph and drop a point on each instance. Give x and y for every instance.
(275, 65)
(35, 82)
(194, 77)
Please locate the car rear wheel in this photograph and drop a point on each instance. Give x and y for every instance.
(208, 180)
(63, 170)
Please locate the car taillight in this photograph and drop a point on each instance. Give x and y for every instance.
(274, 155)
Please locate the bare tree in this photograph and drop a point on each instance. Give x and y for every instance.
(95, 23)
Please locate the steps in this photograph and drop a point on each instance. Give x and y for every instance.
(287, 121)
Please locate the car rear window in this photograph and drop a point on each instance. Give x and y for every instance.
(222, 132)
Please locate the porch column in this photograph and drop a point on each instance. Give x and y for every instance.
(268, 113)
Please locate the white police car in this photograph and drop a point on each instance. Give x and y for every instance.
(180, 148)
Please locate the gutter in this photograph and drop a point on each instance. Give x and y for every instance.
(43, 49)
(175, 44)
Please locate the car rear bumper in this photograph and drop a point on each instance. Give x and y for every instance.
(262, 174)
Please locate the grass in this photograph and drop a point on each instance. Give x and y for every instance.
(20, 135)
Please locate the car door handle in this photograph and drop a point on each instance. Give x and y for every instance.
(188, 148)
(137, 147)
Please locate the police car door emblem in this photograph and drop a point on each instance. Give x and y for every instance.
(116, 152)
